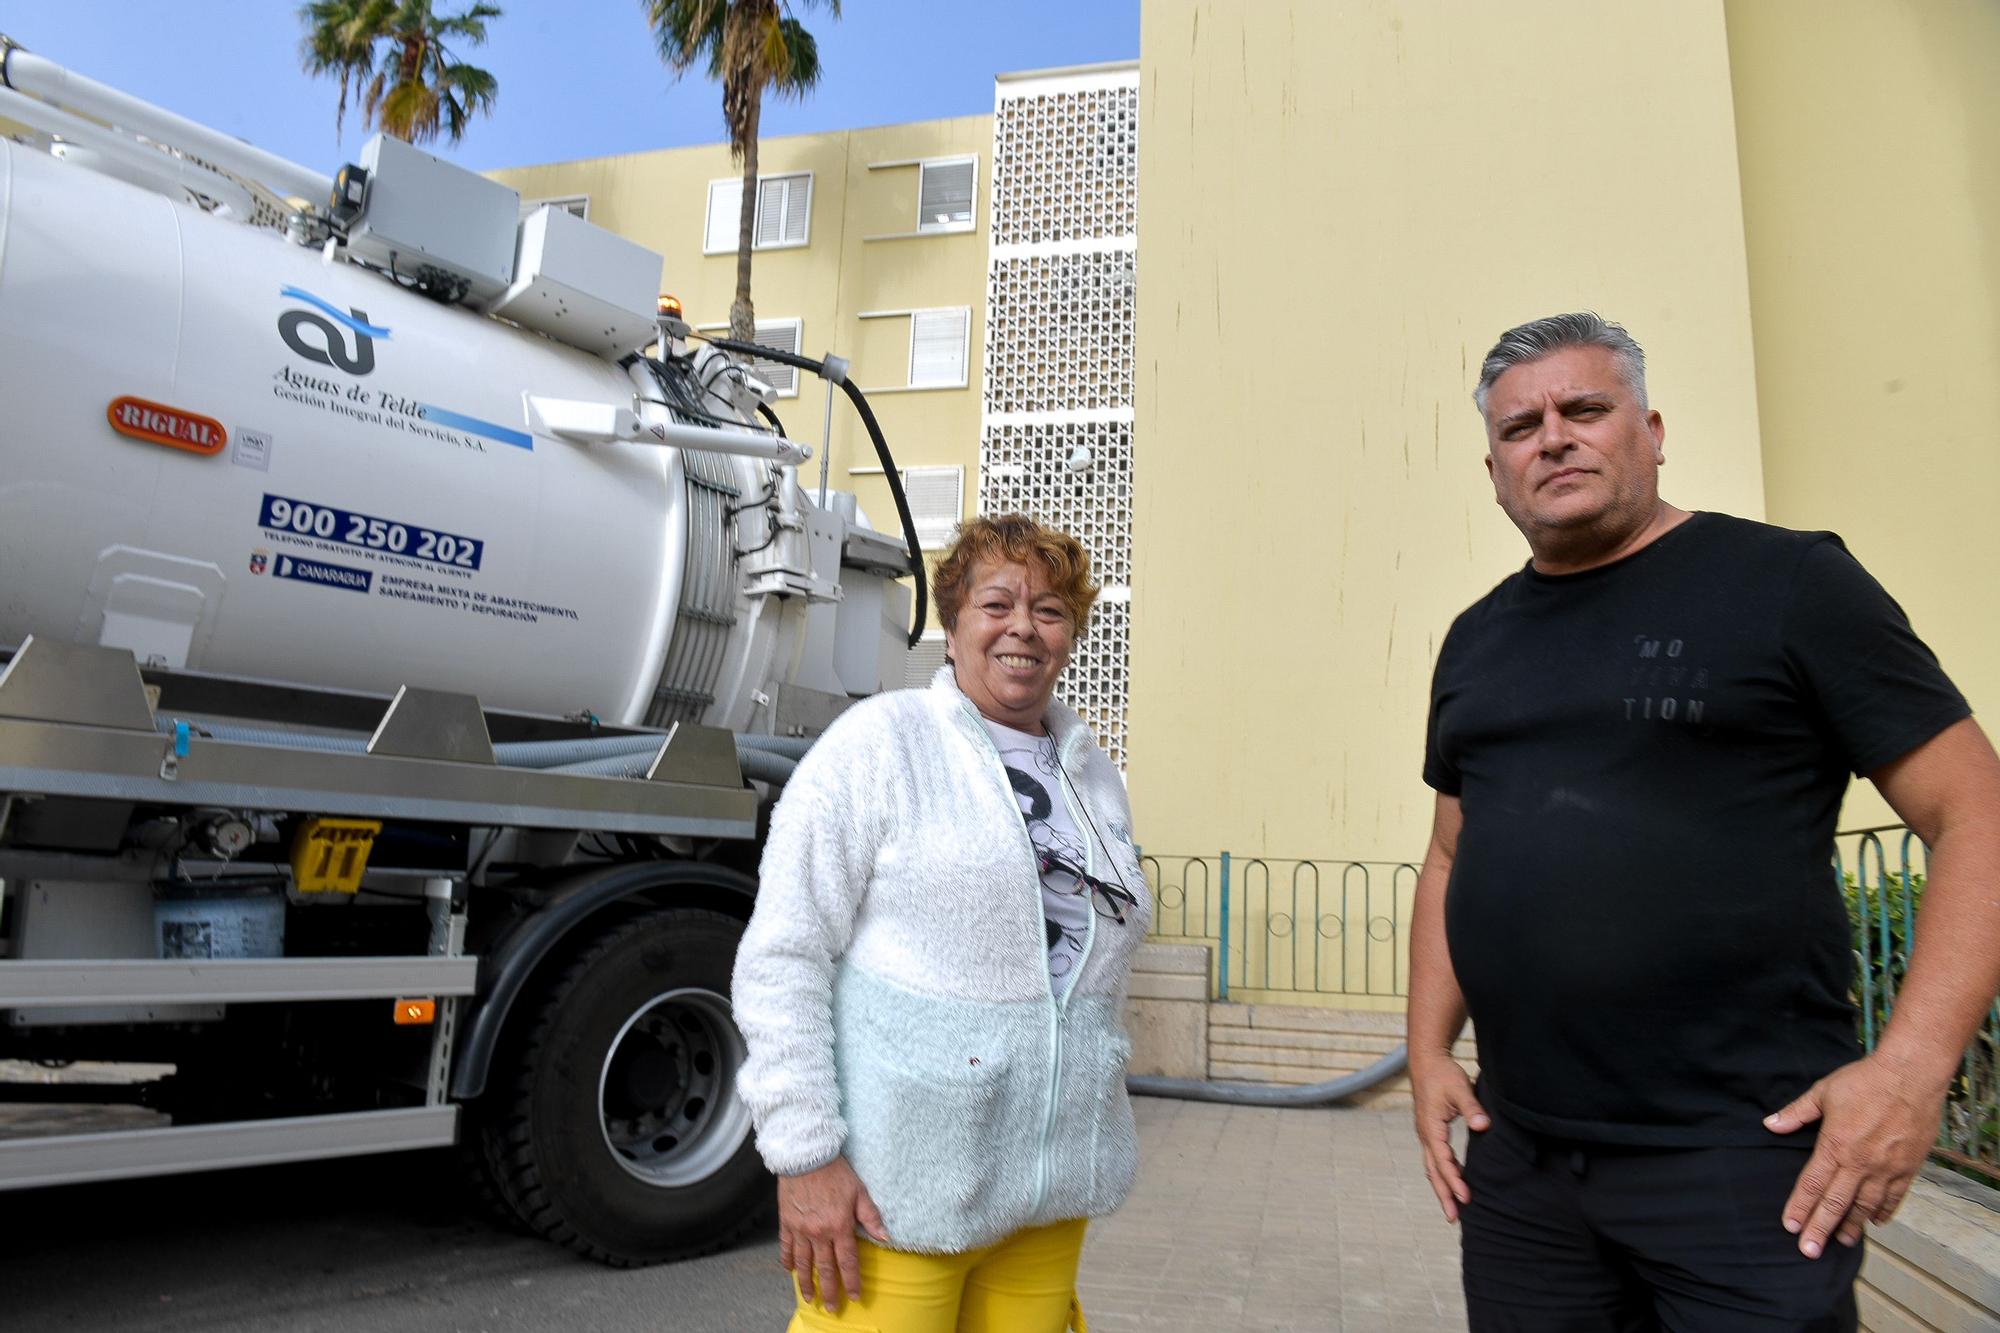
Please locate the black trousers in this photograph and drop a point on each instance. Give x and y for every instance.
(1565, 1237)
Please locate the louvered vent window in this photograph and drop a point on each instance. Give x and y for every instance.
(937, 347)
(783, 206)
(924, 660)
(781, 335)
(937, 503)
(944, 198)
(784, 213)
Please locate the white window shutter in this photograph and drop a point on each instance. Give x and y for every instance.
(798, 209)
(725, 211)
(924, 660)
(944, 198)
(770, 211)
(937, 347)
(937, 503)
(783, 337)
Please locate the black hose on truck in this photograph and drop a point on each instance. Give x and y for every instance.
(760, 352)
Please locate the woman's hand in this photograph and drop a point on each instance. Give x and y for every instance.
(817, 1213)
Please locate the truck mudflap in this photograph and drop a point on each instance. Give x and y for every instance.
(507, 967)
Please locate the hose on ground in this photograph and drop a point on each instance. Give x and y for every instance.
(1267, 1094)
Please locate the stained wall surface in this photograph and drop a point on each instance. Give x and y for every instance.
(1340, 207)
(1869, 135)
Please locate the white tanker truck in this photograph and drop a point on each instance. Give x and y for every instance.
(404, 633)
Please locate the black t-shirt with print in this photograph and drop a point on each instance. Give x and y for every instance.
(1650, 758)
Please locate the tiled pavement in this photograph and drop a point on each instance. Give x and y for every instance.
(1247, 1220)
(1242, 1219)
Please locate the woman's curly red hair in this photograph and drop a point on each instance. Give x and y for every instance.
(1015, 539)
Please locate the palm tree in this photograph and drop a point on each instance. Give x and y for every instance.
(394, 53)
(751, 46)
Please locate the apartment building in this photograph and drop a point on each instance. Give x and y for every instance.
(979, 275)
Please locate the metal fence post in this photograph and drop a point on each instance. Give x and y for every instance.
(1222, 964)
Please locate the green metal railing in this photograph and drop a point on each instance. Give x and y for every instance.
(1320, 926)
(1299, 925)
(1884, 890)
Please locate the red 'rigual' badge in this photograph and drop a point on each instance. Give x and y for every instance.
(159, 424)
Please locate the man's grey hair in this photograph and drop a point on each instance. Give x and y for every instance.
(1538, 338)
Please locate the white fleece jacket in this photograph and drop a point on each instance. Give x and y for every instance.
(893, 984)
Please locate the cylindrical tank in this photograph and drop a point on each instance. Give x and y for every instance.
(231, 454)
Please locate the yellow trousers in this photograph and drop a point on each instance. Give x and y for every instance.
(1023, 1284)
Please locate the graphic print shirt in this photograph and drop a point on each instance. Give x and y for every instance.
(1037, 779)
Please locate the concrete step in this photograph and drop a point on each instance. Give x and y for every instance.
(1339, 1061)
(1304, 1018)
(1273, 1071)
(1366, 1030)
(1355, 1042)
(1277, 1065)
(1175, 959)
(1167, 986)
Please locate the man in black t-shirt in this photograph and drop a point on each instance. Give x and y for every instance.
(1639, 744)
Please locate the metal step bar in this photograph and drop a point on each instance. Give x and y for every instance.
(75, 721)
(27, 1163)
(49, 983)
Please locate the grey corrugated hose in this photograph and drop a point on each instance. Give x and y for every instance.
(1270, 1094)
(769, 759)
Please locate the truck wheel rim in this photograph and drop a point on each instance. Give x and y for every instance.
(666, 1096)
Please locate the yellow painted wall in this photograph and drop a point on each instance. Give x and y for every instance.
(859, 258)
(1343, 205)
(1869, 136)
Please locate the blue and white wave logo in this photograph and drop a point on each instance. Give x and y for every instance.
(333, 327)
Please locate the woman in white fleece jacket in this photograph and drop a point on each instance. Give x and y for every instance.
(932, 983)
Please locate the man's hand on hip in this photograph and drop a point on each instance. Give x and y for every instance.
(1877, 1124)
(1442, 1094)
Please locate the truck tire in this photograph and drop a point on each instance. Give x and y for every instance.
(480, 1171)
(618, 1132)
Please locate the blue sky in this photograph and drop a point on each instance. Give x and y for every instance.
(580, 78)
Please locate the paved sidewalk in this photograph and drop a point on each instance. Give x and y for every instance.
(1300, 1221)
(1248, 1220)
